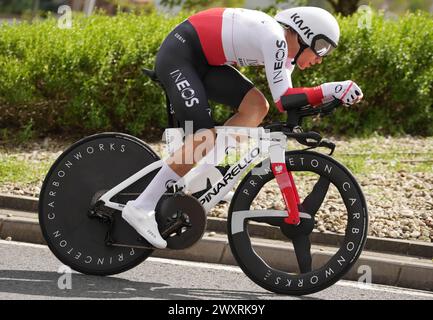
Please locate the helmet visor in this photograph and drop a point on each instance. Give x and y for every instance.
(322, 45)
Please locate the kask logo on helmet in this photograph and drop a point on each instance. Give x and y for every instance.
(300, 23)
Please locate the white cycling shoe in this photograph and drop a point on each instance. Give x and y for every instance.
(144, 223)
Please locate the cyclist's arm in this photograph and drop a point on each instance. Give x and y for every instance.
(279, 77)
(299, 97)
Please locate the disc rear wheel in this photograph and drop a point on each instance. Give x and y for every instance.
(74, 183)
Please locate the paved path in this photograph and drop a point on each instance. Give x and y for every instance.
(29, 271)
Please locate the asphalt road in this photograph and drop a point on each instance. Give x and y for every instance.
(30, 271)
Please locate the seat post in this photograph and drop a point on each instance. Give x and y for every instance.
(171, 118)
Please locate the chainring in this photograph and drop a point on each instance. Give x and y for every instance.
(181, 220)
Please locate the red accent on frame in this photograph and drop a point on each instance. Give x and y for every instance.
(294, 187)
(288, 190)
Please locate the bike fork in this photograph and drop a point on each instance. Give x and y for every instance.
(285, 181)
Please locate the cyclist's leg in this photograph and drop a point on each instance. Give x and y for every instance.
(252, 110)
(194, 110)
(181, 66)
(227, 85)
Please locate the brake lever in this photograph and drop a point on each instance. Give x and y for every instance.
(304, 137)
(328, 144)
(309, 139)
(316, 141)
(305, 142)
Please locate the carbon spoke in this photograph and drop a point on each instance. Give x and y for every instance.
(302, 246)
(314, 200)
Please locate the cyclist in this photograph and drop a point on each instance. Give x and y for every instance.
(194, 64)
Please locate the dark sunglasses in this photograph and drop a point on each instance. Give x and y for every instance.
(321, 45)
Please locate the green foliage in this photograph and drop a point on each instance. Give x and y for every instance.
(197, 5)
(26, 133)
(85, 78)
(14, 169)
(89, 79)
(393, 63)
(15, 7)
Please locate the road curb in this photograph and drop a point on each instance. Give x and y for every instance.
(396, 246)
(385, 268)
(21, 229)
(15, 202)
(218, 225)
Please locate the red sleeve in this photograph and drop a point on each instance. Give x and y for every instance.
(314, 96)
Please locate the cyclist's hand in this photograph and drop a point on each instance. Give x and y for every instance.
(346, 91)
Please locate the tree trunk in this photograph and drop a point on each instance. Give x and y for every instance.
(76, 5)
(35, 8)
(345, 7)
(89, 6)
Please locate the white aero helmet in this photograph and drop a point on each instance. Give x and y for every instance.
(316, 27)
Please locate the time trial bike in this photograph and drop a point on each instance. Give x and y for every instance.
(87, 187)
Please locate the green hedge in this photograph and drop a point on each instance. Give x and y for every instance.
(88, 78)
(393, 64)
(82, 79)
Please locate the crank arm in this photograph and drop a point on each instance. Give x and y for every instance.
(132, 246)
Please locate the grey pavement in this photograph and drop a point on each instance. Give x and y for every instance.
(29, 271)
(399, 270)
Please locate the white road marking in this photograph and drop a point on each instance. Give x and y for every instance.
(343, 283)
(193, 264)
(24, 280)
(24, 244)
(382, 288)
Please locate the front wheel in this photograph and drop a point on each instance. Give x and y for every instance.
(329, 195)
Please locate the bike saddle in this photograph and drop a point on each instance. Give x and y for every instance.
(151, 74)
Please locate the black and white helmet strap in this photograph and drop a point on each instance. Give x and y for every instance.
(302, 47)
